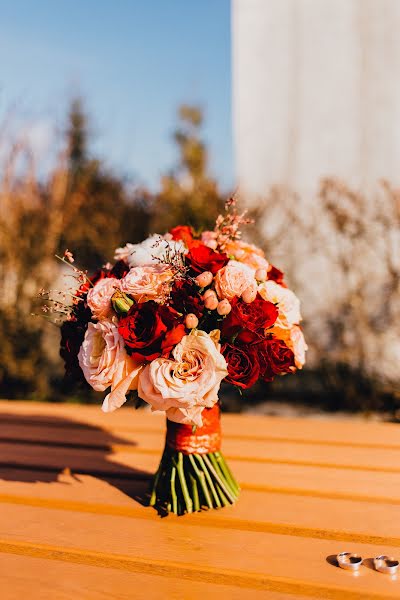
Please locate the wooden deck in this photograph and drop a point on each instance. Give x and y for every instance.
(72, 525)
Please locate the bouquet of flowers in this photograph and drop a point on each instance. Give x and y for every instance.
(174, 317)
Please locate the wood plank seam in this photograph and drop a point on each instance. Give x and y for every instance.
(227, 435)
(130, 448)
(187, 571)
(209, 521)
(128, 476)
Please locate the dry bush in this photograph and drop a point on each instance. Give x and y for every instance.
(341, 252)
(78, 205)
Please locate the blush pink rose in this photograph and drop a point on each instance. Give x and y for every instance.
(209, 239)
(148, 283)
(233, 279)
(99, 297)
(188, 382)
(104, 362)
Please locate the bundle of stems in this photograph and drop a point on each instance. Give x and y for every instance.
(186, 483)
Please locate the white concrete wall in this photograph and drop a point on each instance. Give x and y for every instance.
(316, 92)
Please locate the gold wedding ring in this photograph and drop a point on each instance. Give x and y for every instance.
(386, 564)
(349, 561)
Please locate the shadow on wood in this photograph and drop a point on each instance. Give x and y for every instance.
(40, 448)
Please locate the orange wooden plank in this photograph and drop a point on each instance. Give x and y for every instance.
(318, 518)
(248, 560)
(307, 490)
(44, 579)
(316, 481)
(271, 451)
(357, 432)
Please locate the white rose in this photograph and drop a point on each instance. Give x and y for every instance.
(153, 249)
(123, 253)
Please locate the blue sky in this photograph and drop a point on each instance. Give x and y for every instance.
(134, 62)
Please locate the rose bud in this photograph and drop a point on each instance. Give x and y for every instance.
(261, 275)
(204, 279)
(211, 302)
(224, 307)
(121, 303)
(191, 321)
(249, 294)
(208, 293)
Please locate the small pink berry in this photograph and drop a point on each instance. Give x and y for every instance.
(239, 253)
(191, 321)
(224, 307)
(249, 294)
(204, 279)
(261, 275)
(208, 293)
(211, 302)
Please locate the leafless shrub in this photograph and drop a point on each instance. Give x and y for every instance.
(341, 252)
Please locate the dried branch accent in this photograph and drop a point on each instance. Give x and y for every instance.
(228, 226)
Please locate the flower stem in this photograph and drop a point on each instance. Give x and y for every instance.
(195, 493)
(173, 492)
(209, 480)
(202, 480)
(213, 472)
(182, 480)
(186, 483)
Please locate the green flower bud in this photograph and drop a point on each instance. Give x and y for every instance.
(121, 303)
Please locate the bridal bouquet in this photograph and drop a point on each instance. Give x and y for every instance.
(174, 317)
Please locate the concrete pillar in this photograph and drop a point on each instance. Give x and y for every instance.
(316, 92)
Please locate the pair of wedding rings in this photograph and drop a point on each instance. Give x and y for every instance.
(352, 562)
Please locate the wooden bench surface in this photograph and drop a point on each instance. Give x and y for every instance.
(73, 524)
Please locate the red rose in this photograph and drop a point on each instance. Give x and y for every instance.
(255, 317)
(119, 270)
(275, 358)
(185, 297)
(150, 330)
(201, 258)
(72, 335)
(276, 275)
(184, 233)
(243, 367)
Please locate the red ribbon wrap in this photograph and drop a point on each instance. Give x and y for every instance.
(204, 440)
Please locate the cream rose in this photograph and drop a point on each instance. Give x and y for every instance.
(233, 279)
(247, 254)
(187, 383)
(287, 301)
(104, 362)
(294, 339)
(298, 345)
(147, 283)
(99, 297)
